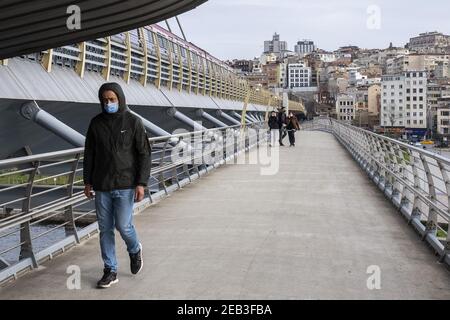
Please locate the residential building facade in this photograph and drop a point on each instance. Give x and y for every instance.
(404, 102)
(299, 75)
(345, 108)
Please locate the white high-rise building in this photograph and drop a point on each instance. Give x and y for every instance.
(298, 75)
(404, 101)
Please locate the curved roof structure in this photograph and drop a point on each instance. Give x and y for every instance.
(29, 26)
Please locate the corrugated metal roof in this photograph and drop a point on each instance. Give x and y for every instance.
(32, 26)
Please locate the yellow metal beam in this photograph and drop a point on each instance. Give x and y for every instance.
(47, 59)
(197, 88)
(127, 74)
(188, 54)
(107, 68)
(180, 69)
(215, 76)
(170, 66)
(204, 75)
(158, 61)
(143, 39)
(81, 64)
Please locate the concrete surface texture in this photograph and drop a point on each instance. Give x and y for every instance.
(311, 231)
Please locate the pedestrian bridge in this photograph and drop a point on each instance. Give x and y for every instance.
(317, 227)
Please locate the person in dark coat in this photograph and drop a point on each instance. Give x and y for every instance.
(292, 126)
(116, 166)
(282, 124)
(273, 128)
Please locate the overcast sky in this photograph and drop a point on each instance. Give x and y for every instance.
(237, 28)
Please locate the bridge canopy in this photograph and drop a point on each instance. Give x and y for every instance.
(31, 26)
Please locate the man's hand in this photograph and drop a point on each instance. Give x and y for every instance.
(88, 191)
(139, 194)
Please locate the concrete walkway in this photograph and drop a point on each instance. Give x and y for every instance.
(308, 232)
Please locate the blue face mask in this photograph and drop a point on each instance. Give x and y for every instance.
(112, 107)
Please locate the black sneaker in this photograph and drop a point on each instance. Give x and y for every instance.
(108, 279)
(136, 261)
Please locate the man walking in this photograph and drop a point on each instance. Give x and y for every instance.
(282, 124)
(116, 166)
(273, 128)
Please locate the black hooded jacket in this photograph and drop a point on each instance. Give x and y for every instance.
(273, 122)
(117, 152)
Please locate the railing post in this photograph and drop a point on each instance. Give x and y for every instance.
(431, 225)
(26, 247)
(415, 209)
(446, 179)
(161, 163)
(71, 228)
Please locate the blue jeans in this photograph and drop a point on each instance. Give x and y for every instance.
(115, 209)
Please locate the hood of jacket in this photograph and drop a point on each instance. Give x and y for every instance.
(117, 89)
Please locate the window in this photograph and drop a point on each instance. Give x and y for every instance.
(420, 121)
(408, 90)
(415, 121)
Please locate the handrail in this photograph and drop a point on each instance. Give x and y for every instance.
(27, 203)
(415, 180)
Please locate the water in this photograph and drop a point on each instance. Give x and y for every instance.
(38, 244)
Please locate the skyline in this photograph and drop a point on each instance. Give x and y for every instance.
(242, 38)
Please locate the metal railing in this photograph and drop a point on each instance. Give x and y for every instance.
(43, 207)
(415, 180)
